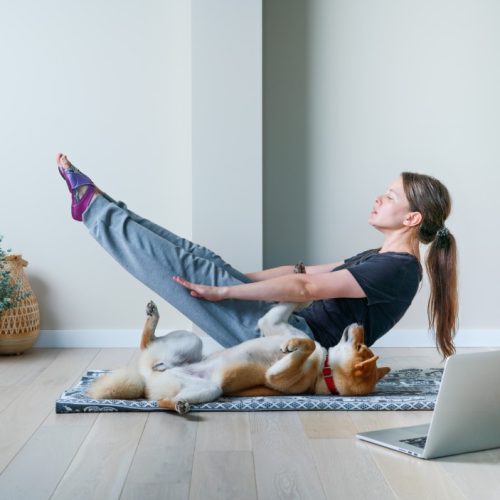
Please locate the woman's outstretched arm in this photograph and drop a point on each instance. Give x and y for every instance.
(289, 288)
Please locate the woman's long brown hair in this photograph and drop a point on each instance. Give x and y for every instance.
(430, 197)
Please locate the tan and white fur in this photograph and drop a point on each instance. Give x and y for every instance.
(284, 360)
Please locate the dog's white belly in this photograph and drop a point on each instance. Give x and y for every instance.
(262, 351)
(195, 380)
(209, 374)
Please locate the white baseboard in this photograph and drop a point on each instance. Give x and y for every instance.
(103, 338)
(131, 338)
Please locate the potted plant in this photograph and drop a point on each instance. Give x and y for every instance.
(19, 314)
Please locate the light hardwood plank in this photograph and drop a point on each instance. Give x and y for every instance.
(45, 457)
(347, 471)
(100, 467)
(17, 373)
(284, 463)
(110, 359)
(162, 465)
(59, 437)
(8, 394)
(221, 475)
(223, 461)
(23, 368)
(24, 415)
(327, 424)
(476, 474)
(223, 431)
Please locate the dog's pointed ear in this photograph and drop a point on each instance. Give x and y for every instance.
(382, 372)
(368, 361)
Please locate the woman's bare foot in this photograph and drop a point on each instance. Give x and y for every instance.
(62, 161)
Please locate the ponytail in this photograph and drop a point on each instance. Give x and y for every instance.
(442, 309)
(430, 197)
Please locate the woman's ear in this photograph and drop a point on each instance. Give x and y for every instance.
(413, 219)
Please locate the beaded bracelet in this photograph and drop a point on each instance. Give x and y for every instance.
(299, 268)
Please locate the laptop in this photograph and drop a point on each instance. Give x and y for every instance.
(466, 416)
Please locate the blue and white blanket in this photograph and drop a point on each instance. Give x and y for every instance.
(406, 389)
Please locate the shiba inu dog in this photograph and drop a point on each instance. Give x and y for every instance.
(284, 360)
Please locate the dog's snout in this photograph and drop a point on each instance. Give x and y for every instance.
(345, 335)
(353, 332)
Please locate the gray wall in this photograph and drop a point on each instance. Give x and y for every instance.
(355, 93)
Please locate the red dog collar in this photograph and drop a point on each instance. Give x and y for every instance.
(327, 375)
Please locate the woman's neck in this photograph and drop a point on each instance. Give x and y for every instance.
(401, 243)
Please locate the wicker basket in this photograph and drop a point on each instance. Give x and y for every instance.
(20, 325)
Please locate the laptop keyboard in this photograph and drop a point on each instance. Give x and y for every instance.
(418, 442)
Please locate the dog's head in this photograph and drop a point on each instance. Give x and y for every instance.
(353, 364)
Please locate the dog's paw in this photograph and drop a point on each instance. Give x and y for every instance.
(182, 407)
(151, 309)
(290, 345)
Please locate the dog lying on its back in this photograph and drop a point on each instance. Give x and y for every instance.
(284, 360)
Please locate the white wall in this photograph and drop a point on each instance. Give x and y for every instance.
(109, 83)
(355, 93)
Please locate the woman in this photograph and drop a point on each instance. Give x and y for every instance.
(373, 288)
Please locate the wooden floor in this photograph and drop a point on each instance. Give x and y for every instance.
(266, 455)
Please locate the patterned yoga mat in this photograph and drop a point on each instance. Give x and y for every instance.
(407, 389)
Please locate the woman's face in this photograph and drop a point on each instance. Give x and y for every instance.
(391, 209)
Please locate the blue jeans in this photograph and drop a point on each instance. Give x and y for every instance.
(153, 255)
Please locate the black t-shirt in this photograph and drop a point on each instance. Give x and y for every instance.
(390, 280)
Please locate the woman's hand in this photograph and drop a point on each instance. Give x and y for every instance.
(212, 293)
